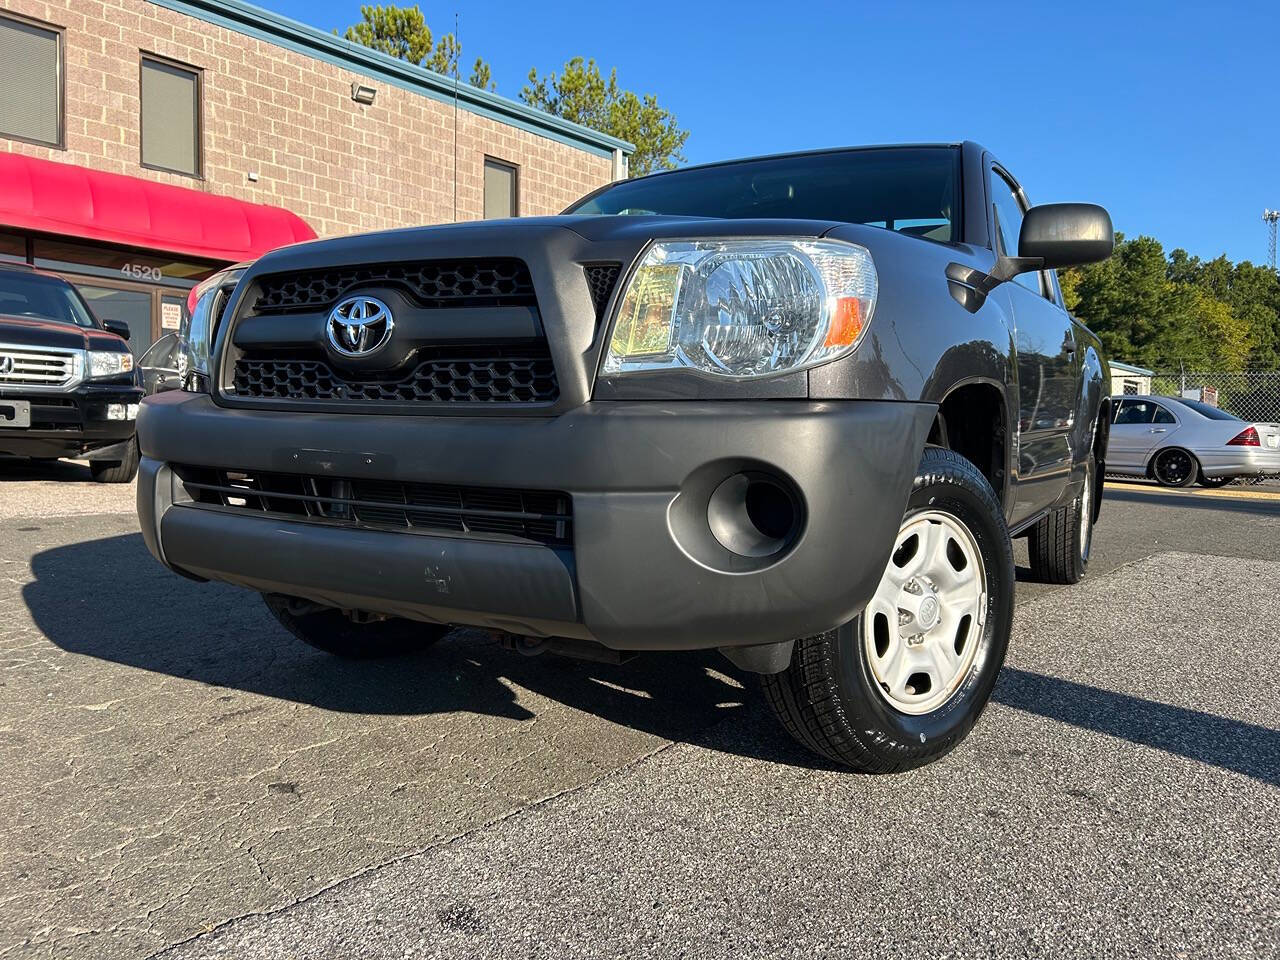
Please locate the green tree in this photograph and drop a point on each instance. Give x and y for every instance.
(580, 93)
(1252, 292)
(1179, 311)
(403, 32)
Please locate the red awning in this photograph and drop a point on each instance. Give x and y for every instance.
(72, 201)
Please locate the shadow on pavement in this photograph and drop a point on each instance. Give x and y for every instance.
(13, 469)
(1267, 507)
(136, 613)
(1230, 744)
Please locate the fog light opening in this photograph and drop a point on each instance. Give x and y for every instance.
(770, 509)
(754, 515)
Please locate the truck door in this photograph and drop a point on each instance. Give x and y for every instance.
(1048, 371)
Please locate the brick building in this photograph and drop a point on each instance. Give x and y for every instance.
(145, 143)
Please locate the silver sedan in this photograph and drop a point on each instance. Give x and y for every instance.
(1178, 441)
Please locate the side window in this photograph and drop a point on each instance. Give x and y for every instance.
(1135, 411)
(1162, 415)
(1008, 217)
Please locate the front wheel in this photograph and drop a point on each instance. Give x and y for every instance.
(122, 471)
(906, 680)
(1175, 468)
(1214, 482)
(335, 633)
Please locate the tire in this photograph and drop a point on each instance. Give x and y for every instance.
(336, 634)
(1060, 542)
(829, 697)
(123, 471)
(1213, 482)
(1175, 467)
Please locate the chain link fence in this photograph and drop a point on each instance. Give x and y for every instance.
(1253, 396)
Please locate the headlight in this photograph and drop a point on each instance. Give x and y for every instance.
(743, 308)
(103, 364)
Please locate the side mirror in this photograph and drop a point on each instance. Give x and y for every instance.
(1066, 235)
(118, 327)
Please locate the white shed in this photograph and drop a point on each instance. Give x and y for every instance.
(1128, 379)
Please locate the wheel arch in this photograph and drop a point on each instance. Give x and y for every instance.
(973, 419)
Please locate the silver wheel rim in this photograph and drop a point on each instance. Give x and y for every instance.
(1086, 517)
(922, 629)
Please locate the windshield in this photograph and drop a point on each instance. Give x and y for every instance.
(1204, 409)
(911, 189)
(43, 298)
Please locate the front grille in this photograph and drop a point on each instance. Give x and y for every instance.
(21, 367)
(538, 515)
(600, 278)
(495, 282)
(480, 375)
(55, 413)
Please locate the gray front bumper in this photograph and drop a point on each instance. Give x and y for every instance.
(628, 581)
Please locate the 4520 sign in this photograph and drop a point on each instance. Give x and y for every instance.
(140, 271)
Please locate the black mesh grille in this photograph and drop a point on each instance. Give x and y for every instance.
(433, 283)
(539, 515)
(479, 375)
(600, 278)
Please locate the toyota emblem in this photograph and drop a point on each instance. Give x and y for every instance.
(359, 326)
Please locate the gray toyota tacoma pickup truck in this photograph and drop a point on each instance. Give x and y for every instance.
(792, 408)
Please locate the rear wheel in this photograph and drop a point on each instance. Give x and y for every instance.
(1212, 482)
(1059, 544)
(120, 471)
(905, 681)
(335, 633)
(1175, 468)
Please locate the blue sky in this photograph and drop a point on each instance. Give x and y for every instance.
(1168, 114)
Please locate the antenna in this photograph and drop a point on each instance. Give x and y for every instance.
(457, 52)
(1269, 217)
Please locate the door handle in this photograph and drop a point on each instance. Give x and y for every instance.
(1159, 430)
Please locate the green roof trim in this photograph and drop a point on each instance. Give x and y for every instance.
(299, 37)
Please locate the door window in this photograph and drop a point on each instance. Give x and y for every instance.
(1162, 415)
(1008, 209)
(1135, 411)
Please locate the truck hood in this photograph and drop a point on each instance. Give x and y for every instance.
(32, 332)
(617, 238)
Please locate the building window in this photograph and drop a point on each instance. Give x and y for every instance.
(13, 248)
(30, 81)
(1131, 388)
(170, 116)
(501, 189)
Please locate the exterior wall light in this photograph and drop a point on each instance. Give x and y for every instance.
(363, 94)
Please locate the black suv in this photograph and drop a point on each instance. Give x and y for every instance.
(68, 383)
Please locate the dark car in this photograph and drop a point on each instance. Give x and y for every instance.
(68, 385)
(792, 408)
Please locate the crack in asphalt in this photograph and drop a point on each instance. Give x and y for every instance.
(406, 855)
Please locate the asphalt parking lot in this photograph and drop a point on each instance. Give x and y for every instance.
(181, 778)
